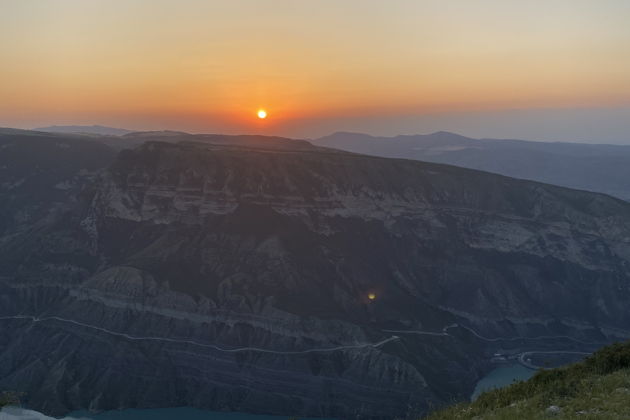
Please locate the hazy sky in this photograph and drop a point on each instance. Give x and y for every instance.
(543, 69)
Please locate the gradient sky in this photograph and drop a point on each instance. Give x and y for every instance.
(540, 69)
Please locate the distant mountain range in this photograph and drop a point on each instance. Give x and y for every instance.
(85, 129)
(592, 167)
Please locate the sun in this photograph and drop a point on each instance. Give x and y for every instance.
(262, 114)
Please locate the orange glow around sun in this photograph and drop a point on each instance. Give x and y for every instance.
(262, 114)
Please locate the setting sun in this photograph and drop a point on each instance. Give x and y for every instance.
(262, 114)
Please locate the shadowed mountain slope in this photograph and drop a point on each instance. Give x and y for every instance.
(237, 278)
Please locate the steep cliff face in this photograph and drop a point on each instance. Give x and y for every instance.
(377, 223)
(239, 278)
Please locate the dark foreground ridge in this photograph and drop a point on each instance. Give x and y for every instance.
(251, 274)
(598, 387)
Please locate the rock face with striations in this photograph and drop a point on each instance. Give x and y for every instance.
(237, 278)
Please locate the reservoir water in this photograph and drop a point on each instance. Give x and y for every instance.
(184, 413)
(497, 378)
(502, 376)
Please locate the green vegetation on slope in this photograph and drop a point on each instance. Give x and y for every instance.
(597, 388)
(9, 398)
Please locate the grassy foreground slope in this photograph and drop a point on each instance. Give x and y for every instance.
(597, 388)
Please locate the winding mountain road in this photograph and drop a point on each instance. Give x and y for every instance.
(540, 337)
(444, 332)
(527, 364)
(36, 319)
(521, 357)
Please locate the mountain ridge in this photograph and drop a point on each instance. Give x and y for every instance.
(85, 129)
(279, 248)
(593, 167)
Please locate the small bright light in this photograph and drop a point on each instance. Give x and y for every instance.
(262, 114)
(371, 296)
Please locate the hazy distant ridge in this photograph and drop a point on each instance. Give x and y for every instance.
(86, 129)
(594, 167)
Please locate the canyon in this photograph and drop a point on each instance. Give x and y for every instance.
(266, 275)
